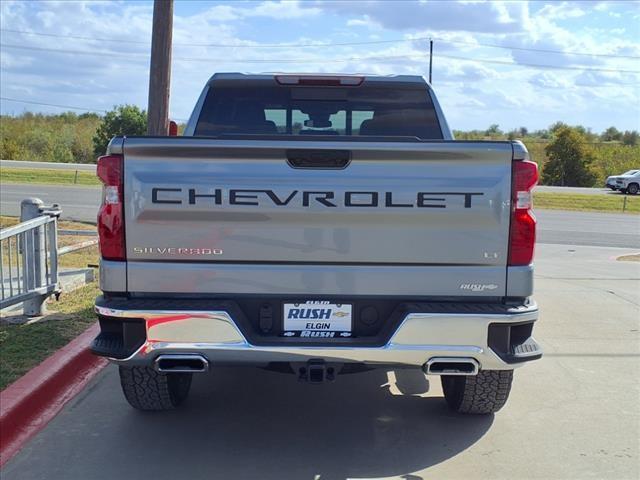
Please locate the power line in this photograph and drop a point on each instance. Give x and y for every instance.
(537, 65)
(68, 106)
(324, 60)
(53, 105)
(327, 44)
(539, 50)
(77, 52)
(77, 37)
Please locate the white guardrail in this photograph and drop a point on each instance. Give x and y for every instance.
(29, 257)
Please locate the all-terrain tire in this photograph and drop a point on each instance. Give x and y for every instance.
(146, 389)
(484, 393)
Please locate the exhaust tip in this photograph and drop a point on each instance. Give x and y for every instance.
(451, 366)
(181, 364)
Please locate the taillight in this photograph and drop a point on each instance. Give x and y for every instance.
(173, 128)
(522, 237)
(110, 171)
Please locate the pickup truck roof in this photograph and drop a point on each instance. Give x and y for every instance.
(235, 76)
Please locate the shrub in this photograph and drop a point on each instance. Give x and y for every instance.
(122, 120)
(569, 160)
(48, 138)
(630, 137)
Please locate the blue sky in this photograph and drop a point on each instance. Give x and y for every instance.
(487, 63)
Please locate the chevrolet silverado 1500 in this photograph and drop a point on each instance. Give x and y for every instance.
(316, 225)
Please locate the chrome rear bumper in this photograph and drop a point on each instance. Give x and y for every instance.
(420, 337)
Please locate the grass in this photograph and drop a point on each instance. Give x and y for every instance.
(6, 221)
(586, 203)
(22, 347)
(48, 177)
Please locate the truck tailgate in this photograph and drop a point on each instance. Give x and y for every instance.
(235, 216)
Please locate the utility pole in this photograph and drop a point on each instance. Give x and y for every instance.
(430, 59)
(160, 68)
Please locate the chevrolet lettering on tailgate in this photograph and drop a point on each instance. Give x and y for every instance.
(217, 196)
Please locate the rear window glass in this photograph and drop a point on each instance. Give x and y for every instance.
(394, 110)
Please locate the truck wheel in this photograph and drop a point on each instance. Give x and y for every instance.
(633, 188)
(146, 389)
(484, 393)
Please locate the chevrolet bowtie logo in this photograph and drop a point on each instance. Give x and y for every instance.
(341, 314)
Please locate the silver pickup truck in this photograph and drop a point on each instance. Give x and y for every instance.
(316, 225)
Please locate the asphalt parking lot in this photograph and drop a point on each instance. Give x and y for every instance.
(573, 414)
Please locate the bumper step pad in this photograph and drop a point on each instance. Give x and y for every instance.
(526, 350)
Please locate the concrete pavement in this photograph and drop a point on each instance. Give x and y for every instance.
(572, 415)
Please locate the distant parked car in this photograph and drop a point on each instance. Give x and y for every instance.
(611, 181)
(629, 183)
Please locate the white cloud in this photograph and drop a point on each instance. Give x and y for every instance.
(562, 10)
(363, 21)
(494, 17)
(474, 94)
(283, 9)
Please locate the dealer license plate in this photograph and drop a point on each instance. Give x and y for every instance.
(317, 319)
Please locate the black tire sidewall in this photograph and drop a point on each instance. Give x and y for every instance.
(179, 386)
(453, 387)
(148, 390)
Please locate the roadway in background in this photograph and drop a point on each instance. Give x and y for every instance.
(78, 203)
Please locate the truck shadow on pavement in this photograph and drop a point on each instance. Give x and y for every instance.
(246, 423)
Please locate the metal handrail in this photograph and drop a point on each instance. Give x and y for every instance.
(24, 226)
(29, 258)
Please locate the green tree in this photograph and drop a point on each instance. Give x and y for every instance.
(569, 159)
(517, 133)
(122, 120)
(554, 128)
(630, 137)
(611, 134)
(543, 134)
(494, 131)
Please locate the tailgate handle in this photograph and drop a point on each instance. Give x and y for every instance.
(320, 159)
